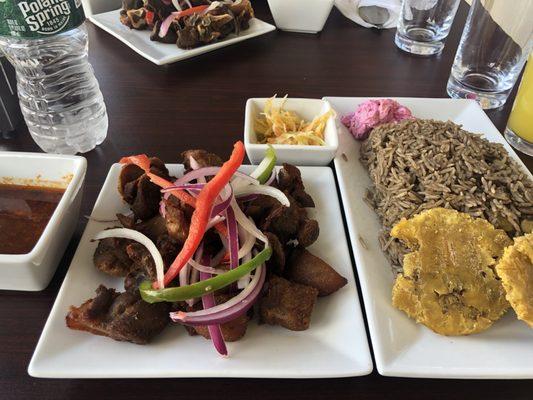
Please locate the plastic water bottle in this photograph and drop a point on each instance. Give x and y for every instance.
(46, 42)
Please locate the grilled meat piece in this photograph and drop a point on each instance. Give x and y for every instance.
(276, 263)
(134, 279)
(308, 232)
(120, 316)
(147, 198)
(111, 257)
(159, 8)
(143, 260)
(137, 190)
(177, 218)
(170, 37)
(132, 4)
(291, 223)
(290, 182)
(287, 223)
(307, 269)
(287, 304)
(202, 157)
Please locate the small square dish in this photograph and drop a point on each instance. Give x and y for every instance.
(306, 109)
(288, 14)
(403, 348)
(34, 269)
(335, 345)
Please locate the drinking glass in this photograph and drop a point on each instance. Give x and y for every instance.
(519, 131)
(424, 25)
(496, 41)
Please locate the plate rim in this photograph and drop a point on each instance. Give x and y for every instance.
(365, 369)
(383, 367)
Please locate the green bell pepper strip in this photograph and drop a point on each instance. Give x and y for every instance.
(201, 288)
(265, 167)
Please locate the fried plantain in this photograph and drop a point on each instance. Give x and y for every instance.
(448, 281)
(515, 269)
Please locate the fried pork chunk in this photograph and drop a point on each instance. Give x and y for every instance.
(515, 269)
(307, 269)
(137, 190)
(287, 304)
(448, 281)
(203, 159)
(111, 257)
(120, 316)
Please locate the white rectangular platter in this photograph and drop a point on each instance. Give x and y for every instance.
(334, 346)
(163, 53)
(402, 347)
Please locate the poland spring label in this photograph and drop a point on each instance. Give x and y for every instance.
(39, 18)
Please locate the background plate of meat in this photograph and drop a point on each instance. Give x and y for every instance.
(106, 15)
(335, 345)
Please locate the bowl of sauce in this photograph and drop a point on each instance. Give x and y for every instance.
(24, 213)
(40, 197)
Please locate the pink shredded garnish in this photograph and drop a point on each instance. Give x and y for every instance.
(373, 113)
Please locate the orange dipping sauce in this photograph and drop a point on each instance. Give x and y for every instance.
(24, 214)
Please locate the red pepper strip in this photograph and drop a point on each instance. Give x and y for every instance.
(149, 16)
(190, 11)
(202, 213)
(143, 162)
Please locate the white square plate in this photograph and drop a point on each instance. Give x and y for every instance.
(334, 346)
(164, 53)
(402, 347)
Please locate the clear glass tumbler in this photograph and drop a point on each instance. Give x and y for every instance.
(424, 25)
(519, 131)
(496, 41)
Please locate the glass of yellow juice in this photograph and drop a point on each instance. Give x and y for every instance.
(519, 131)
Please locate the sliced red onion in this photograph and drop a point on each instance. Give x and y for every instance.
(163, 207)
(206, 269)
(218, 258)
(233, 238)
(247, 198)
(246, 223)
(194, 274)
(186, 186)
(245, 280)
(165, 25)
(247, 240)
(226, 194)
(142, 239)
(208, 301)
(266, 190)
(193, 163)
(184, 275)
(228, 311)
(271, 179)
(176, 4)
(215, 220)
(210, 171)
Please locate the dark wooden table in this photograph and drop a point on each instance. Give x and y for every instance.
(200, 103)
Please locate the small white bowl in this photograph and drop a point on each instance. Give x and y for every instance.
(34, 270)
(305, 16)
(289, 153)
